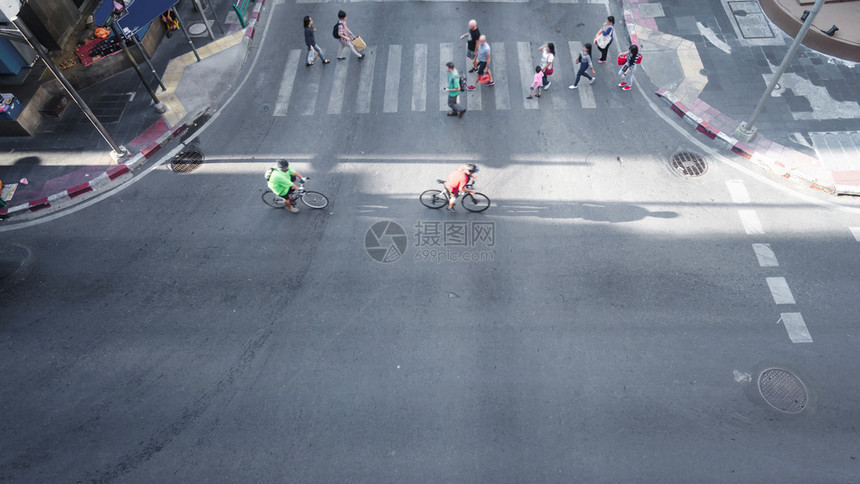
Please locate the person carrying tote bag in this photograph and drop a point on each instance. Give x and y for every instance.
(604, 38)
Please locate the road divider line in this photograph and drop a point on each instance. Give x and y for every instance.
(738, 191)
(765, 255)
(752, 225)
(286, 89)
(796, 328)
(780, 291)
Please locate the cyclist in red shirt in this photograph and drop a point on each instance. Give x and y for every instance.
(457, 181)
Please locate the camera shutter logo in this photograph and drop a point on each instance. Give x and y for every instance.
(385, 241)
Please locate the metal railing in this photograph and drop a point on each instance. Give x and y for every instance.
(241, 6)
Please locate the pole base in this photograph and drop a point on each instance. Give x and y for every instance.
(160, 107)
(745, 133)
(118, 155)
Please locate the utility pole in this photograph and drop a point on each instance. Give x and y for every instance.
(159, 106)
(10, 9)
(746, 131)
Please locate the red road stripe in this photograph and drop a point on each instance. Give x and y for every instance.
(117, 171)
(79, 190)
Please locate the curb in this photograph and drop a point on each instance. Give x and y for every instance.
(255, 16)
(731, 143)
(100, 182)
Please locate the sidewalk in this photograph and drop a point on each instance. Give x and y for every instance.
(711, 60)
(67, 159)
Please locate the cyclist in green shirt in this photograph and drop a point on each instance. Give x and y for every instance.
(281, 183)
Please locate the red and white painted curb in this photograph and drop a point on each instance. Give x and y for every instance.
(255, 17)
(105, 180)
(798, 174)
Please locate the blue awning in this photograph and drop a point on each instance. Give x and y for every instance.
(140, 12)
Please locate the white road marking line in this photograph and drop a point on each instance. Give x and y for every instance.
(586, 91)
(765, 255)
(527, 72)
(392, 79)
(338, 88)
(365, 82)
(780, 291)
(856, 232)
(419, 78)
(312, 84)
(286, 89)
(797, 331)
(500, 89)
(712, 37)
(752, 225)
(446, 54)
(738, 191)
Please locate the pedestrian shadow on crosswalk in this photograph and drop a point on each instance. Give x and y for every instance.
(593, 212)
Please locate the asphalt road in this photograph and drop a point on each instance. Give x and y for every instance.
(612, 329)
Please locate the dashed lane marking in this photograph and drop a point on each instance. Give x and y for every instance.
(738, 191)
(796, 328)
(780, 291)
(765, 255)
(750, 221)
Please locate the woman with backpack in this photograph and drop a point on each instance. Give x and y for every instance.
(629, 67)
(345, 36)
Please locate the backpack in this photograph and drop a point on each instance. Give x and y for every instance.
(462, 82)
(269, 173)
(334, 31)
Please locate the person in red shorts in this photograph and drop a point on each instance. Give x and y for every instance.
(457, 181)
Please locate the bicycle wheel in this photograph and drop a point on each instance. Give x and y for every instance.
(272, 200)
(434, 199)
(477, 202)
(314, 199)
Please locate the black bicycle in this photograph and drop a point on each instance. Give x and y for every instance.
(310, 198)
(473, 202)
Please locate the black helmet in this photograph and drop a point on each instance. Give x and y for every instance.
(283, 164)
(472, 168)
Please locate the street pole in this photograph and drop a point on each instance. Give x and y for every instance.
(118, 151)
(184, 31)
(147, 59)
(205, 20)
(159, 106)
(746, 131)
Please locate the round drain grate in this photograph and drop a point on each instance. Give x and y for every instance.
(689, 164)
(782, 390)
(187, 160)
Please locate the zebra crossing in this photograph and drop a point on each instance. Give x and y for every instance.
(400, 71)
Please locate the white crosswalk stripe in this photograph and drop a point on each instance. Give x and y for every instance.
(446, 54)
(586, 93)
(527, 72)
(497, 67)
(392, 79)
(335, 102)
(365, 81)
(311, 87)
(298, 91)
(419, 78)
(282, 103)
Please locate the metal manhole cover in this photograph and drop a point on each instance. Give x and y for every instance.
(187, 160)
(783, 390)
(197, 29)
(689, 164)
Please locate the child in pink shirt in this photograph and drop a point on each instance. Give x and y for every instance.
(537, 83)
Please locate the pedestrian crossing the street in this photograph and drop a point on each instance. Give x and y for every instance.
(397, 78)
